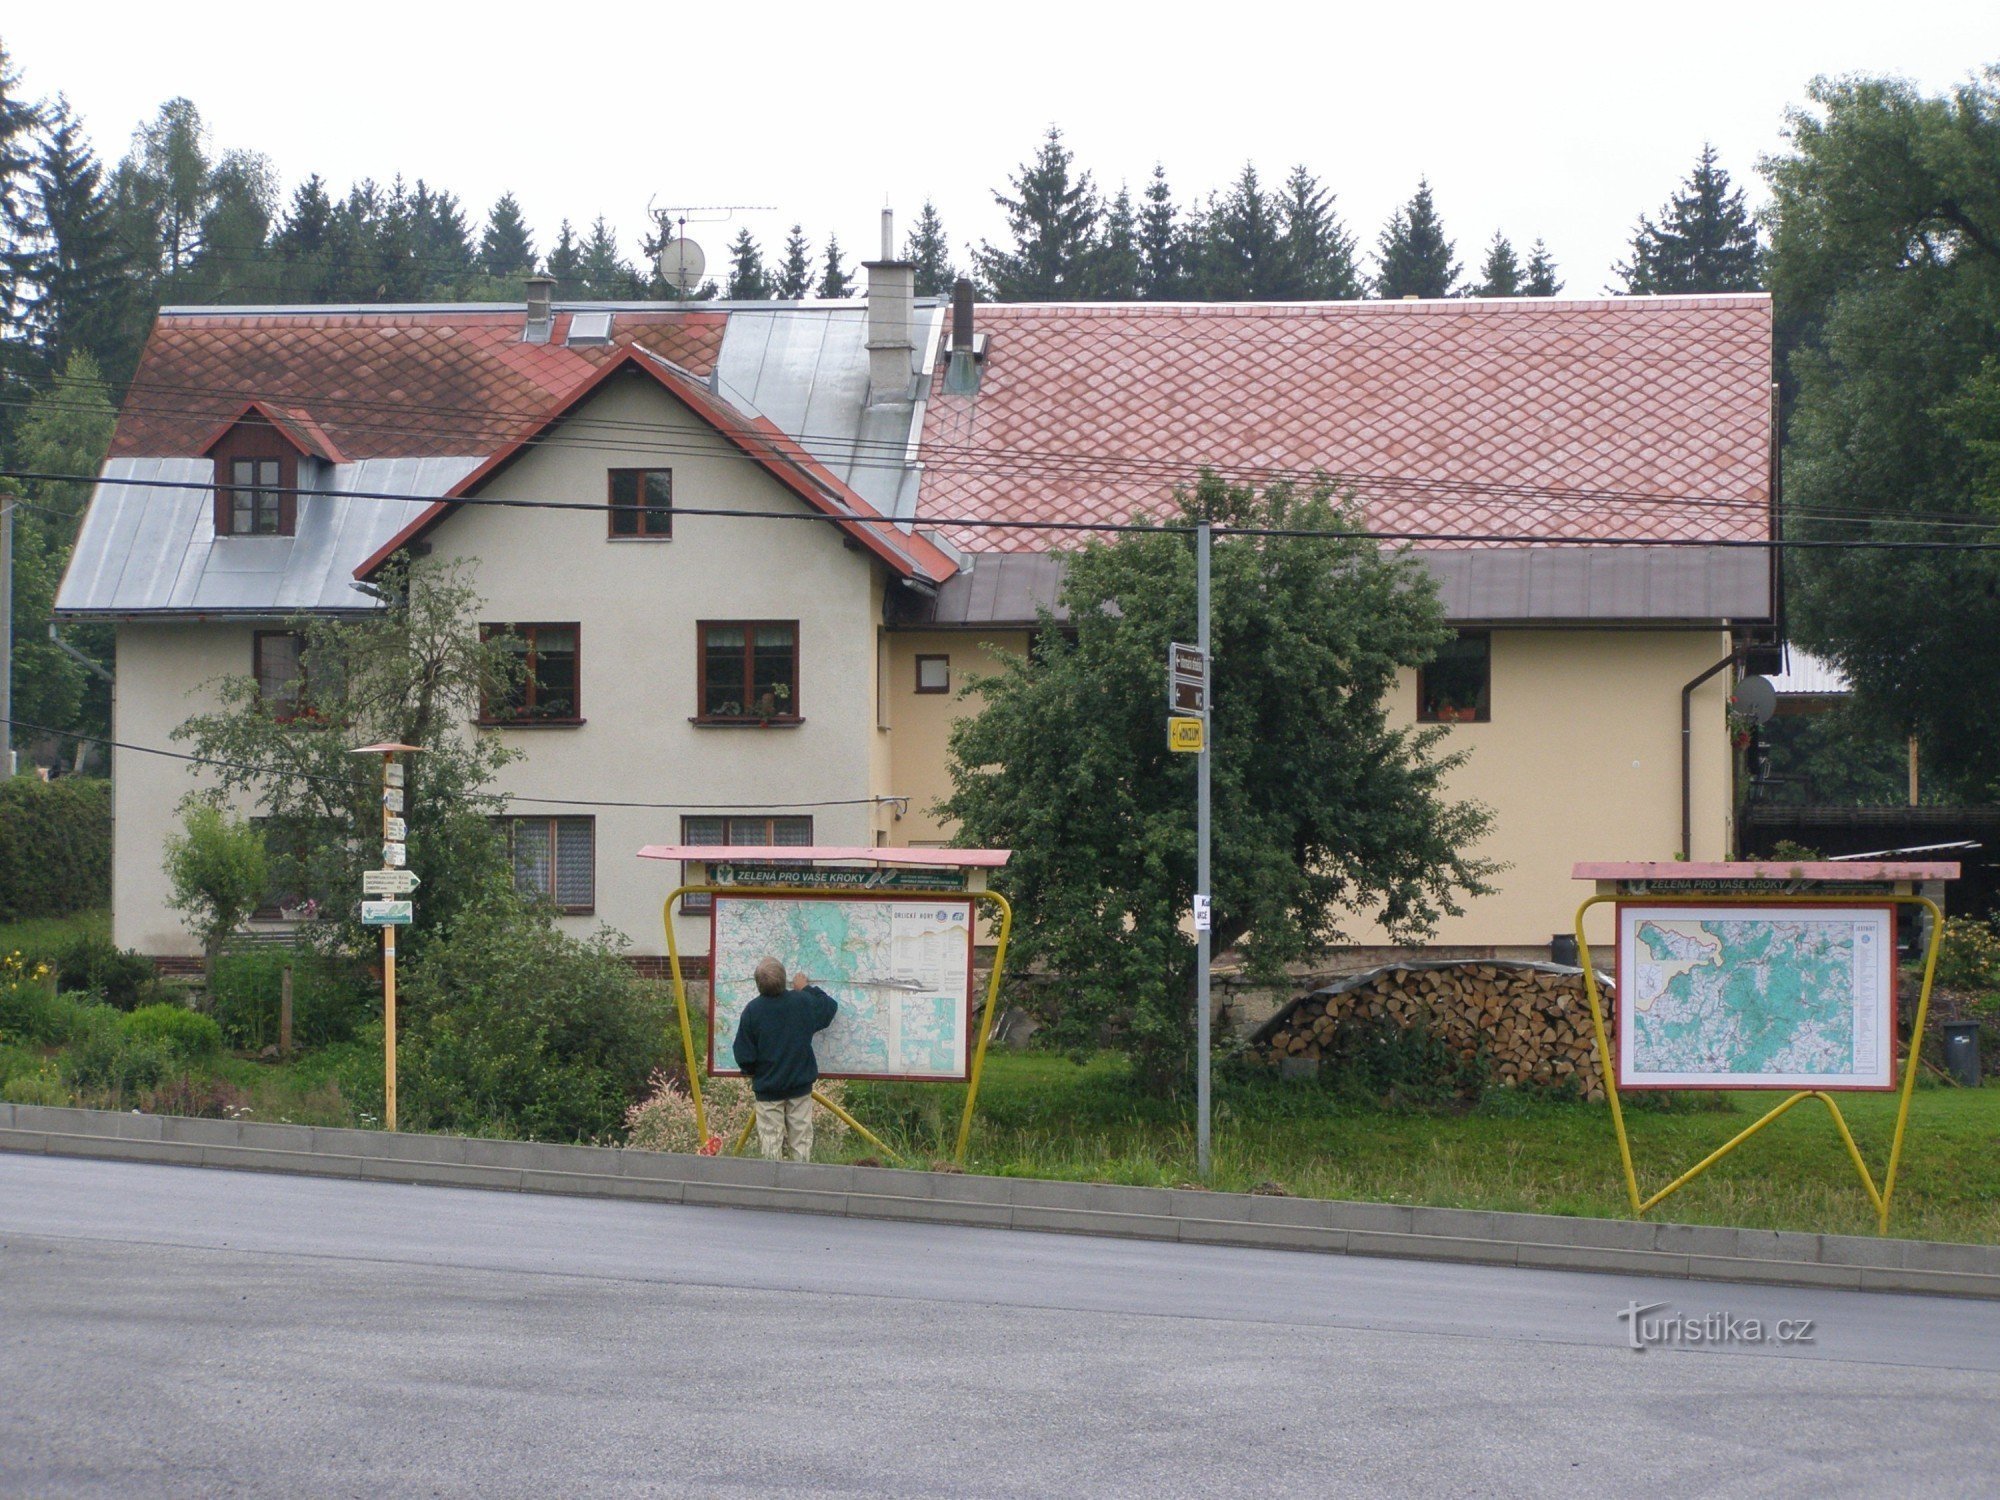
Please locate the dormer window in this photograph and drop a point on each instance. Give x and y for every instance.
(263, 457)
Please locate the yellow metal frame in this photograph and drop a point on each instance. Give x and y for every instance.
(992, 1012)
(1880, 1198)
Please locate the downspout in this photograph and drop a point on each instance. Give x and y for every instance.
(1687, 750)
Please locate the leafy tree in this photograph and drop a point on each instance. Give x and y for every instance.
(1500, 276)
(748, 280)
(927, 248)
(415, 672)
(1159, 241)
(1117, 269)
(1325, 814)
(565, 259)
(171, 179)
(219, 873)
(1542, 280)
(1885, 269)
(1318, 250)
(1704, 241)
(795, 269)
(231, 262)
(1414, 254)
(80, 297)
(1053, 220)
(836, 280)
(506, 247)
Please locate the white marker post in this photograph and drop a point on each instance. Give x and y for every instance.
(389, 915)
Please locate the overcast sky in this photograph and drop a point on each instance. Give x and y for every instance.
(1564, 121)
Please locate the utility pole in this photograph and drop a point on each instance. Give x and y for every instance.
(1204, 909)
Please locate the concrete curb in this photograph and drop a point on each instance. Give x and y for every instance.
(1693, 1251)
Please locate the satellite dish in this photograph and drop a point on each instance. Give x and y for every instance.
(1755, 699)
(681, 264)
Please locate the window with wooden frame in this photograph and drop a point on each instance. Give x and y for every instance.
(642, 505)
(795, 830)
(1456, 686)
(748, 672)
(277, 658)
(254, 493)
(933, 674)
(555, 860)
(547, 684)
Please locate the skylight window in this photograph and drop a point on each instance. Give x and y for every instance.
(590, 328)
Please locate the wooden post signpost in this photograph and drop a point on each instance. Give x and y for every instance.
(392, 880)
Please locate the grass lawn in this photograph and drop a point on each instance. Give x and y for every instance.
(1045, 1116)
(50, 934)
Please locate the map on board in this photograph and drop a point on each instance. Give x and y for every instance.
(901, 970)
(1755, 997)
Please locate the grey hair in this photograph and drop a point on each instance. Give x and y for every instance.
(770, 977)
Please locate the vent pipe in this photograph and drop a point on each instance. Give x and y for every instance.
(961, 371)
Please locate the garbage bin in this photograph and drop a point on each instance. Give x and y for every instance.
(1562, 949)
(1961, 1052)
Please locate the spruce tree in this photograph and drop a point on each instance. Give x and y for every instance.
(1415, 256)
(748, 280)
(443, 239)
(1246, 260)
(836, 280)
(1500, 276)
(1318, 250)
(564, 259)
(18, 119)
(1159, 241)
(1705, 240)
(1053, 219)
(604, 273)
(1542, 280)
(795, 270)
(1116, 268)
(76, 268)
(930, 252)
(304, 243)
(506, 248)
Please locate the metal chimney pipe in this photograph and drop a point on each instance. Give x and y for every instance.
(961, 314)
(888, 233)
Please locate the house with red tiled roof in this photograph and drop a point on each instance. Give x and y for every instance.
(817, 537)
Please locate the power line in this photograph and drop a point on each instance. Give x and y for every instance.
(257, 770)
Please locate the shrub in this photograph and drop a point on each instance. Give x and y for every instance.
(1377, 1059)
(55, 846)
(1969, 956)
(44, 1086)
(104, 1058)
(330, 996)
(515, 1027)
(186, 1035)
(31, 1010)
(124, 978)
(201, 1098)
(664, 1120)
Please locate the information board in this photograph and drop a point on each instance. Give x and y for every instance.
(1753, 996)
(900, 968)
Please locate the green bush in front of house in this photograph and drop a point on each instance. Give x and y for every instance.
(55, 846)
(331, 996)
(187, 1035)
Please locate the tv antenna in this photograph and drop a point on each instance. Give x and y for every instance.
(680, 260)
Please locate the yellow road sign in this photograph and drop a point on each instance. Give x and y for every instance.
(1188, 735)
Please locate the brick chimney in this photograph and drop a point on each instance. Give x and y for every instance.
(891, 287)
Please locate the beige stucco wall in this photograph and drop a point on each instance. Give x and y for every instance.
(165, 672)
(920, 723)
(636, 604)
(1581, 760)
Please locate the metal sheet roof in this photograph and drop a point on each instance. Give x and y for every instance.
(1554, 585)
(145, 549)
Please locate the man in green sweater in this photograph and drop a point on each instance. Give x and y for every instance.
(774, 1046)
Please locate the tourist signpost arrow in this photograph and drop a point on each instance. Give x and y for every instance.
(389, 882)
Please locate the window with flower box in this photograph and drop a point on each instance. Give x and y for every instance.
(748, 672)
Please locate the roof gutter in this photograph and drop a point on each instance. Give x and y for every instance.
(87, 663)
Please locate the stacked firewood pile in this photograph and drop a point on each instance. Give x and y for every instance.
(1532, 1021)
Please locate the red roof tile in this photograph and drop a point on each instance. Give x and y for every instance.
(1623, 416)
(377, 383)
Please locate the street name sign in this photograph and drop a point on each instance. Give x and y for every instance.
(389, 882)
(387, 913)
(1187, 736)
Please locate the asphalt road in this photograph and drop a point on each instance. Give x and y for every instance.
(173, 1331)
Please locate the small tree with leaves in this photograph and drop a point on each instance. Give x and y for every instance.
(1325, 813)
(218, 872)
